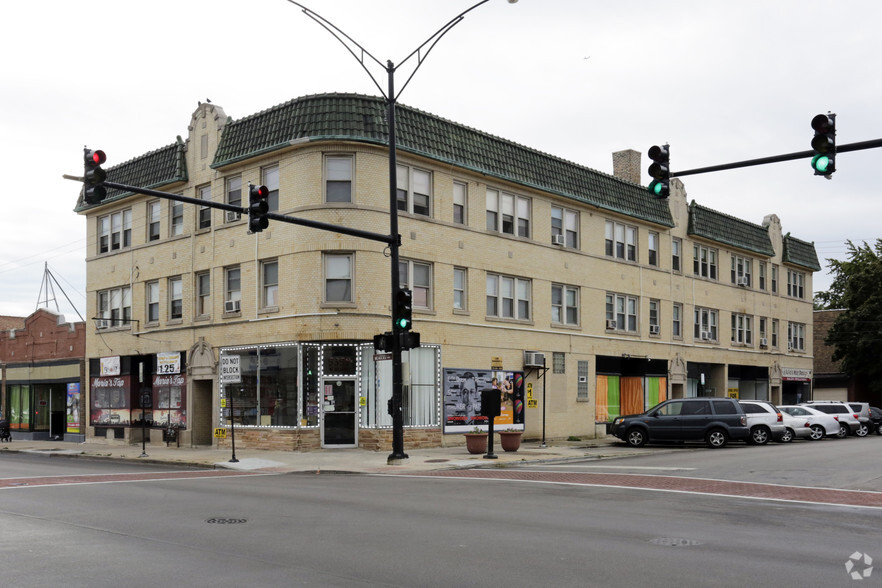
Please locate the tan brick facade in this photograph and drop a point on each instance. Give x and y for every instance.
(468, 338)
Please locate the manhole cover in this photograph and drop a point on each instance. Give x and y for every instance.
(225, 521)
(674, 542)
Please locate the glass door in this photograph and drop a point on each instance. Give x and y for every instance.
(339, 422)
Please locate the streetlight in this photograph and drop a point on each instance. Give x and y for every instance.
(359, 53)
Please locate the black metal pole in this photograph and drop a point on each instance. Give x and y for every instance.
(544, 401)
(233, 431)
(143, 432)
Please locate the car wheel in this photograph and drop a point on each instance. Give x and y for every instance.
(636, 437)
(879, 429)
(787, 437)
(816, 432)
(843, 431)
(759, 436)
(863, 430)
(716, 438)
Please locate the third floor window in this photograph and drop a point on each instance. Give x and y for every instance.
(507, 213)
(414, 190)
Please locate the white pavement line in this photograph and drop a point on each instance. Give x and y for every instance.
(612, 467)
(183, 479)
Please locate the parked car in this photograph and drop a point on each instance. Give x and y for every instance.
(864, 416)
(795, 428)
(821, 424)
(714, 420)
(848, 419)
(765, 421)
(876, 415)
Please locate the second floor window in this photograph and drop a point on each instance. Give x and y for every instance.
(270, 277)
(270, 178)
(742, 332)
(152, 296)
(414, 190)
(234, 197)
(621, 241)
(795, 284)
(796, 336)
(459, 288)
(677, 320)
(508, 297)
(115, 307)
(417, 277)
(115, 231)
(177, 219)
(774, 279)
(204, 219)
(762, 275)
(676, 254)
(153, 210)
(704, 262)
(203, 294)
(654, 318)
(507, 213)
(621, 313)
(338, 277)
(564, 305)
(564, 227)
(175, 298)
(705, 324)
(741, 271)
(232, 289)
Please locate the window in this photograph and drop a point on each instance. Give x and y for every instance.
(654, 320)
(507, 213)
(270, 177)
(564, 305)
(115, 231)
(705, 324)
(338, 277)
(741, 271)
(459, 289)
(704, 262)
(564, 227)
(114, 307)
(414, 190)
(774, 332)
(270, 278)
(153, 209)
(676, 254)
(233, 289)
(795, 284)
(621, 241)
(234, 197)
(177, 218)
(621, 313)
(460, 199)
(795, 336)
(741, 329)
(152, 296)
(175, 298)
(762, 275)
(677, 320)
(204, 193)
(417, 277)
(774, 279)
(763, 333)
(338, 178)
(653, 249)
(508, 297)
(558, 362)
(203, 294)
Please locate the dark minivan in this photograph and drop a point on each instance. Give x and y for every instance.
(714, 420)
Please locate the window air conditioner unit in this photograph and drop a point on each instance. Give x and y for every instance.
(653, 329)
(231, 306)
(610, 324)
(742, 281)
(102, 323)
(558, 240)
(534, 359)
(705, 336)
(233, 216)
(764, 342)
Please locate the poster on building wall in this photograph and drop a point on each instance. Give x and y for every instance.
(168, 362)
(109, 366)
(462, 399)
(73, 408)
(110, 401)
(169, 400)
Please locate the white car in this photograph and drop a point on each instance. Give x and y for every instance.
(765, 421)
(821, 424)
(796, 427)
(849, 423)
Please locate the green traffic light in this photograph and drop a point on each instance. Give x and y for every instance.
(402, 323)
(821, 163)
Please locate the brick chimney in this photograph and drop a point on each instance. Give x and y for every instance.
(626, 165)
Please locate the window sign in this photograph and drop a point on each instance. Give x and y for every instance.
(168, 362)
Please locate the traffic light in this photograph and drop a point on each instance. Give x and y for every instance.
(824, 144)
(403, 310)
(257, 208)
(94, 176)
(660, 171)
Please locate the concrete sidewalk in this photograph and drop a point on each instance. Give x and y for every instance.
(330, 460)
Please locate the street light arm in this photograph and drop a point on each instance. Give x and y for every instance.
(348, 42)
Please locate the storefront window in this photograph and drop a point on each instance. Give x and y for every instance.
(19, 406)
(110, 406)
(419, 396)
(278, 386)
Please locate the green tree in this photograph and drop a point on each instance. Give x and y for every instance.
(856, 334)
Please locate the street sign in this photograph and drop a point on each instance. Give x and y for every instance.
(532, 403)
(230, 373)
(382, 356)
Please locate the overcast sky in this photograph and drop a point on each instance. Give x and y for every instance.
(720, 81)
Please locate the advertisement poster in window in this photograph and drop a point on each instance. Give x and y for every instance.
(169, 393)
(73, 407)
(462, 399)
(110, 403)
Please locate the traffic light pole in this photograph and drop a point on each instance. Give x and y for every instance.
(860, 145)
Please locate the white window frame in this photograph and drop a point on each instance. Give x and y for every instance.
(742, 267)
(795, 336)
(621, 241)
(706, 320)
(565, 224)
(774, 279)
(508, 213)
(509, 297)
(269, 177)
(460, 202)
(175, 298)
(796, 284)
(704, 261)
(154, 212)
(203, 215)
(234, 197)
(654, 317)
(652, 247)
(269, 295)
(621, 313)
(152, 299)
(115, 231)
(343, 275)
(742, 329)
(414, 184)
(232, 286)
(565, 305)
(115, 307)
(176, 218)
(416, 276)
(677, 320)
(339, 172)
(677, 255)
(203, 294)
(460, 289)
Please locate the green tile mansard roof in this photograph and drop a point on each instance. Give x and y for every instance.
(801, 253)
(352, 117)
(728, 230)
(162, 167)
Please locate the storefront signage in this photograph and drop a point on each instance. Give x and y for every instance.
(382, 356)
(496, 363)
(168, 363)
(220, 433)
(110, 366)
(532, 403)
(797, 374)
(73, 407)
(462, 399)
(230, 372)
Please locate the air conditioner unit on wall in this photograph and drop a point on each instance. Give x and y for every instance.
(534, 359)
(232, 216)
(610, 324)
(231, 306)
(653, 329)
(743, 281)
(764, 342)
(558, 240)
(705, 336)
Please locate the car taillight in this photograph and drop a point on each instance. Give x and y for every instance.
(857, 417)
(807, 425)
(743, 420)
(780, 418)
(837, 418)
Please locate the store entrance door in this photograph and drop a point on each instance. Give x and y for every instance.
(339, 415)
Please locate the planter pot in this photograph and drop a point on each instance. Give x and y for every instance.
(476, 442)
(510, 440)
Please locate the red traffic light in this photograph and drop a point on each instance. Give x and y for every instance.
(95, 157)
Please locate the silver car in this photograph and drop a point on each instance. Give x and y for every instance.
(849, 423)
(821, 424)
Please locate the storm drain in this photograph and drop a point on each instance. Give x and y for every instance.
(674, 542)
(225, 521)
